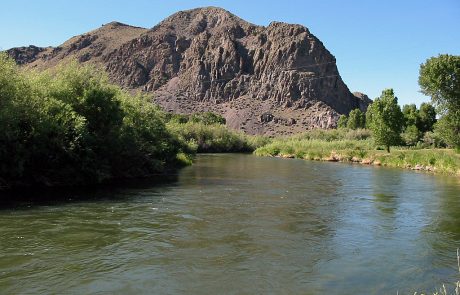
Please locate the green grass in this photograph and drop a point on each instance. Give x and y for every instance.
(215, 138)
(333, 146)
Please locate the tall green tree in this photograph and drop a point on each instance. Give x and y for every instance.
(411, 115)
(411, 135)
(342, 122)
(440, 79)
(427, 117)
(385, 119)
(356, 119)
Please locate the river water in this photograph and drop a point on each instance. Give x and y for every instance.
(239, 224)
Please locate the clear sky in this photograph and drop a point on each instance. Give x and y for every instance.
(377, 44)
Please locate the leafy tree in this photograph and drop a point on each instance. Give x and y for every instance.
(448, 128)
(342, 122)
(417, 122)
(433, 139)
(411, 135)
(427, 117)
(411, 115)
(386, 119)
(356, 119)
(440, 79)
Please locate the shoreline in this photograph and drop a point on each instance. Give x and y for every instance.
(380, 160)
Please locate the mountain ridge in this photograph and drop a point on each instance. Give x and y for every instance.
(274, 80)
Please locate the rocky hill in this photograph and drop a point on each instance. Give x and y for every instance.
(278, 79)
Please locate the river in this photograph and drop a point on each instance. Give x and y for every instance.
(240, 224)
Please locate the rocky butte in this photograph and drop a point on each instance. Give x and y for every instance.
(272, 80)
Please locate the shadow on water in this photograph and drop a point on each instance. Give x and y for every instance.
(44, 196)
(237, 224)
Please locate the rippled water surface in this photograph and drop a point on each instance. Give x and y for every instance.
(238, 224)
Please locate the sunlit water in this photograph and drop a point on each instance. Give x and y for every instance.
(239, 224)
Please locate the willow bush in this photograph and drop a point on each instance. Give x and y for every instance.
(70, 126)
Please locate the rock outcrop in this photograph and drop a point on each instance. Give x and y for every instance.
(26, 54)
(278, 79)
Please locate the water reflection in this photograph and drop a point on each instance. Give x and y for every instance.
(241, 225)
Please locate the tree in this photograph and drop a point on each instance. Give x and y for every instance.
(386, 119)
(448, 128)
(411, 135)
(427, 117)
(356, 119)
(342, 122)
(411, 115)
(440, 79)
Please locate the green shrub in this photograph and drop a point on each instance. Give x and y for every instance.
(411, 135)
(215, 138)
(70, 126)
(208, 118)
(356, 119)
(433, 139)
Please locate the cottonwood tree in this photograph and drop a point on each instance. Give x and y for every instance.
(356, 119)
(440, 79)
(385, 119)
(427, 117)
(342, 122)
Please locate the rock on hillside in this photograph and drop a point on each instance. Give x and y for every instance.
(92, 46)
(270, 80)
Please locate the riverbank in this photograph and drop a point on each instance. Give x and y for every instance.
(363, 152)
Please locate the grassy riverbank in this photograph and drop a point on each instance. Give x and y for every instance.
(358, 147)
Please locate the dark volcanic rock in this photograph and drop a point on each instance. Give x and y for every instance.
(24, 55)
(278, 79)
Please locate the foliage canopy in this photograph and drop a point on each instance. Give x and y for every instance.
(385, 119)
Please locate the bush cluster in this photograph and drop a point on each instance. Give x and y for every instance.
(214, 138)
(70, 126)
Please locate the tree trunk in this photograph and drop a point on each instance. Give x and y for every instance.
(388, 149)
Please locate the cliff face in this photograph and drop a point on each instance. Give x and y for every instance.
(278, 79)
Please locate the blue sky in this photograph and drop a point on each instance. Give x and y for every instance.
(378, 44)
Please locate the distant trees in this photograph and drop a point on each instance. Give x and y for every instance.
(417, 122)
(391, 126)
(385, 119)
(427, 117)
(342, 122)
(355, 120)
(440, 79)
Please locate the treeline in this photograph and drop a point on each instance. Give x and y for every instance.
(361, 136)
(70, 126)
(392, 126)
(439, 78)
